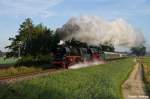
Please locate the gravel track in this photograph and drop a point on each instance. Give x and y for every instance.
(133, 87)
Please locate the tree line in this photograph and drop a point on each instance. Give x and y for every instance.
(37, 39)
(33, 40)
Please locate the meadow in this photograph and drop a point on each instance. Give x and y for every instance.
(7, 60)
(146, 61)
(11, 70)
(14, 70)
(96, 82)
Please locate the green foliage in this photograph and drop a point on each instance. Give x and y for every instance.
(4, 60)
(146, 61)
(26, 61)
(43, 59)
(55, 41)
(147, 86)
(108, 48)
(32, 40)
(139, 51)
(96, 82)
(33, 43)
(1, 53)
(34, 60)
(75, 43)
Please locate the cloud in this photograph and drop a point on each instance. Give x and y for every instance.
(28, 7)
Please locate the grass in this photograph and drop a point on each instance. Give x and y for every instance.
(146, 61)
(98, 82)
(7, 60)
(11, 71)
(18, 70)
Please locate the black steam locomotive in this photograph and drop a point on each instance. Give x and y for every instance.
(66, 56)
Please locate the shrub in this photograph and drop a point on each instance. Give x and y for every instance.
(25, 61)
(44, 59)
(10, 60)
(34, 60)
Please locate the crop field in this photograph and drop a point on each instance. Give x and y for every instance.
(7, 60)
(146, 61)
(96, 82)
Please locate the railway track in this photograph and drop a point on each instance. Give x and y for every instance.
(27, 76)
(24, 76)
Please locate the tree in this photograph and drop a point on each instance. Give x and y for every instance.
(75, 43)
(0, 53)
(108, 48)
(31, 40)
(139, 51)
(20, 41)
(55, 41)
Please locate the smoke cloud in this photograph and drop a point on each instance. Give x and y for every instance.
(94, 30)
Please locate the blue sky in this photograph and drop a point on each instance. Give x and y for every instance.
(54, 13)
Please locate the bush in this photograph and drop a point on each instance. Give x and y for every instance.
(34, 60)
(25, 61)
(44, 59)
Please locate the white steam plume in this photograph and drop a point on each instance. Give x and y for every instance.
(94, 31)
(86, 64)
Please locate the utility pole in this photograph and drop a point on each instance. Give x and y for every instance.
(19, 48)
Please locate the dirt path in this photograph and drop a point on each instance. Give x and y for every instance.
(133, 88)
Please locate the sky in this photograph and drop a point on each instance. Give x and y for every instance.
(54, 13)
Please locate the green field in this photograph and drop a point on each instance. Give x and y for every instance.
(146, 61)
(97, 82)
(7, 60)
(11, 71)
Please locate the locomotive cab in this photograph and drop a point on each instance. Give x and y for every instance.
(67, 56)
(59, 55)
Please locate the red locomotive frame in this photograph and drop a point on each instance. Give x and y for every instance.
(67, 56)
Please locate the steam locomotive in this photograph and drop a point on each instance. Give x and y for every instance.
(66, 56)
